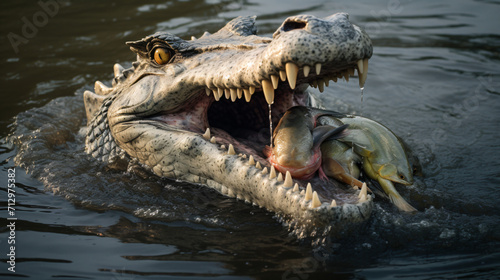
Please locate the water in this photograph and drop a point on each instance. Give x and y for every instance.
(362, 89)
(433, 79)
(270, 127)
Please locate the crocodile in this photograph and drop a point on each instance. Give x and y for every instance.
(198, 110)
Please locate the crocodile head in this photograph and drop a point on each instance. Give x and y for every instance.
(199, 110)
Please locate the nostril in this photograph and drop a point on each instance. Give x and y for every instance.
(292, 25)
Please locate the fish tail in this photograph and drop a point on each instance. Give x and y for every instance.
(394, 196)
(401, 204)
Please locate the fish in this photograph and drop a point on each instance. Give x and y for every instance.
(384, 158)
(296, 142)
(340, 162)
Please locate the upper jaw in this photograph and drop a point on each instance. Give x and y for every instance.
(304, 50)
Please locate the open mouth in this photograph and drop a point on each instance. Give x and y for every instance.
(239, 119)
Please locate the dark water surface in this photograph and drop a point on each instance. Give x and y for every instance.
(434, 80)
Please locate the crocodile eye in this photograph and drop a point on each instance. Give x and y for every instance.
(162, 56)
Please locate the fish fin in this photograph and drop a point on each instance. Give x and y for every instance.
(322, 175)
(267, 151)
(321, 133)
(362, 150)
(394, 196)
(317, 113)
(360, 143)
(387, 170)
(401, 204)
(334, 169)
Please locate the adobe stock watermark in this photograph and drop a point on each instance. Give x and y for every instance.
(383, 17)
(31, 26)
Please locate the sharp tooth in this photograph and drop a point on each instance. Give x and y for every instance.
(117, 69)
(362, 78)
(295, 187)
(239, 93)
(101, 89)
(334, 79)
(280, 177)
(275, 80)
(291, 73)
(309, 192)
(360, 67)
(362, 199)
(282, 75)
(327, 82)
(193, 38)
(350, 71)
(233, 94)
(216, 95)
(288, 180)
(318, 68)
(207, 91)
(264, 171)
(223, 147)
(220, 92)
(231, 151)
(212, 140)
(314, 84)
(363, 191)
(207, 134)
(227, 93)
(321, 86)
(315, 200)
(252, 90)
(258, 165)
(307, 69)
(346, 75)
(272, 174)
(334, 203)
(248, 96)
(251, 161)
(268, 89)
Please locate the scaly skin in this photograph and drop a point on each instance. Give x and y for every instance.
(196, 110)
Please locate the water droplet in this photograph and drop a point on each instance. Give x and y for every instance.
(270, 127)
(362, 93)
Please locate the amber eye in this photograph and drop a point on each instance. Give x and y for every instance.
(162, 56)
(402, 177)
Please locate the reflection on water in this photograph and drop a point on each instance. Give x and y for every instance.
(433, 80)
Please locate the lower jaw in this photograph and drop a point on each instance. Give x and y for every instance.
(217, 125)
